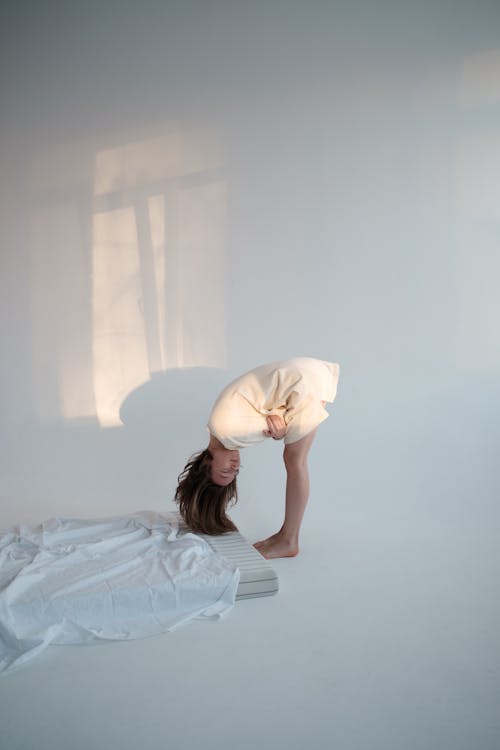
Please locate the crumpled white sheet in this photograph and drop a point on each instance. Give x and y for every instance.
(71, 581)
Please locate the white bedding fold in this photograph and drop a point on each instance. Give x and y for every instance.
(72, 581)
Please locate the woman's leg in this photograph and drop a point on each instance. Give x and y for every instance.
(285, 543)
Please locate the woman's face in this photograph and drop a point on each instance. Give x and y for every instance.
(225, 467)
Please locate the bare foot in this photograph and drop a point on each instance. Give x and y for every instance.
(276, 546)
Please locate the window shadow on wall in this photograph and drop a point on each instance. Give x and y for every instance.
(127, 259)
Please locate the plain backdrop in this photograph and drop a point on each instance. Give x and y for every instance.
(189, 190)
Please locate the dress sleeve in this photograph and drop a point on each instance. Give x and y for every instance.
(236, 423)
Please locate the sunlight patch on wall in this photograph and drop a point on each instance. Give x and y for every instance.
(477, 191)
(177, 153)
(128, 268)
(139, 163)
(119, 343)
(163, 238)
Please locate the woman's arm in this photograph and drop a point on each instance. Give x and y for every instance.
(276, 427)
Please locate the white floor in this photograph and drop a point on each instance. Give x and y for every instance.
(384, 636)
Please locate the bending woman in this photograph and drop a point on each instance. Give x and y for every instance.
(281, 400)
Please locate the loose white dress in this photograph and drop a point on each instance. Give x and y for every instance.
(292, 389)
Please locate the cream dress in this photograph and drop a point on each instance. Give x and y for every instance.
(292, 388)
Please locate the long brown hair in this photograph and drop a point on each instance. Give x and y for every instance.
(202, 503)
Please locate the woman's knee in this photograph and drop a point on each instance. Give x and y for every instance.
(294, 461)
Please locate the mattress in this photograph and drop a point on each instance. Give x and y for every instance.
(257, 576)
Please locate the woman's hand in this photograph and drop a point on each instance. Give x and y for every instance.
(276, 427)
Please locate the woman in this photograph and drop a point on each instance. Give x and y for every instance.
(281, 400)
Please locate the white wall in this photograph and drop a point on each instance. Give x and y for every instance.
(188, 189)
(214, 185)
